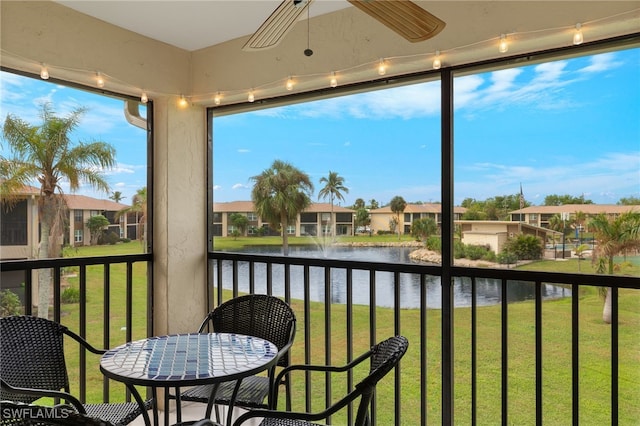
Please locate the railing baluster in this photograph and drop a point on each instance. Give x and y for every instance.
(423, 349)
(474, 352)
(397, 331)
(538, 316)
(575, 352)
(56, 293)
(327, 335)
(106, 342)
(614, 356)
(83, 330)
(349, 331)
(307, 337)
(505, 353)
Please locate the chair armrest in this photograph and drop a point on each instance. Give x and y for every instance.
(44, 393)
(84, 342)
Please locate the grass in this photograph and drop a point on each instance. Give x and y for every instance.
(594, 336)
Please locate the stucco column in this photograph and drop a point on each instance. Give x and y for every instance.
(179, 210)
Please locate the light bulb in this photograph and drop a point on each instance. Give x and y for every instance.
(577, 36)
(182, 102)
(436, 61)
(334, 80)
(251, 98)
(289, 84)
(382, 69)
(503, 44)
(44, 73)
(100, 81)
(143, 98)
(216, 99)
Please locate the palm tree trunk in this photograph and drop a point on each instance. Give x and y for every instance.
(285, 237)
(606, 311)
(44, 275)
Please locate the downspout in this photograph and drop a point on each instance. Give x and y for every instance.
(132, 114)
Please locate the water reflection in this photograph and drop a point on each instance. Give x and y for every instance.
(488, 291)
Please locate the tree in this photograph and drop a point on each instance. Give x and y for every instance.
(613, 236)
(279, 194)
(397, 205)
(96, 225)
(239, 221)
(423, 228)
(358, 204)
(332, 189)
(117, 196)
(629, 201)
(45, 153)
(373, 204)
(560, 200)
(363, 218)
(139, 207)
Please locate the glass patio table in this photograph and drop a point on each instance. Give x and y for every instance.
(191, 359)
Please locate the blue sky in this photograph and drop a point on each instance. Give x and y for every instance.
(565, 127)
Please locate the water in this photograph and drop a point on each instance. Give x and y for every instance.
(488, 291)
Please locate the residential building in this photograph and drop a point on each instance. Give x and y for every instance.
(382, 217)
(81, 208)
(495, 233)
(315, 220)
(541, 215)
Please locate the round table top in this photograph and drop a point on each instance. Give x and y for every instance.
(188, 359)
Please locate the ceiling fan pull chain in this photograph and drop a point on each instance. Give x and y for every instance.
(308, 51)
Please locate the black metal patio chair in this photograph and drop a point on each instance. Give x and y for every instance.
(383, 358)
(32, 366)
(259, 315)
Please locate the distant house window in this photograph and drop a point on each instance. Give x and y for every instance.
(308, 217)
(77, 235)
(407, 217)
(77, 215)
(252, 217)
(13, 225)
(343, 217)
(217, 217)
(291, 230)
(94, 213)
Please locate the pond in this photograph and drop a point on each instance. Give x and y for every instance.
(488, 291)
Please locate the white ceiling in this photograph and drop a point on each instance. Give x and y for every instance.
(191, 25)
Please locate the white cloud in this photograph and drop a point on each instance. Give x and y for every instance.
(240, 186)
(602, 62)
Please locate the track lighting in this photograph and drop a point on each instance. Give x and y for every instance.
(99, 80)
(217, 98)
(382, 69)
(289, 84)
(334, 81)
(436, 61)
(44, 73)
(143, 98)
(577, 36)
(503, 47)
(251, 98)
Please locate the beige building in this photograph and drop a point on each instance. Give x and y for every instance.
(81, 208)
(540, 215)
(494, 233)
(381, 218)
(316, 220)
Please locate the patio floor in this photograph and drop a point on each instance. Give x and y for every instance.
(194, 411)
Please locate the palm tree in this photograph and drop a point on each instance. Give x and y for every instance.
(279, 194)
(333, 189)
(117, 196)
(45, 154)
(613, 236)
(139, 206)
(398, 204)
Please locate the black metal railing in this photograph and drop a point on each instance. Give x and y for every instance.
(104, 295)
(333, 330)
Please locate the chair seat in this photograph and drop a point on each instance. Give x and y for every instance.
(288, 422)
(252, 393)
(119, 414)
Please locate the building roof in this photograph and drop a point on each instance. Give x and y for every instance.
(572, 208)
(421, 208)
(247, 206)
(82, 202)
(507, 223)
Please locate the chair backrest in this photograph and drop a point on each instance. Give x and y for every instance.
(260, 315)
(383, 358)
(32, 355)
(20, 414)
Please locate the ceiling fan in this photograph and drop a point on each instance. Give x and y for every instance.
(402, 16)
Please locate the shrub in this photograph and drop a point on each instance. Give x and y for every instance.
(525, 247)
(458, 249)
(110, 238)
(70, 295)
(9, 304)
(475, 252)
(434, 243)
(505, 257)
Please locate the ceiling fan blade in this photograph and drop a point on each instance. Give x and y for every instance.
(277, 25)
(402, 16)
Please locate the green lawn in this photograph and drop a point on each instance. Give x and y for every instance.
(594, 351)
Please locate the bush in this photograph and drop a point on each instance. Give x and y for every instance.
(506, 257)
(434, 243)
(9, 304)
(458, 249)
(525, 247)
(70, 295)
(110, 238)
(475, 252)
